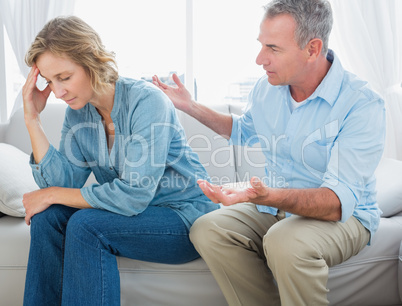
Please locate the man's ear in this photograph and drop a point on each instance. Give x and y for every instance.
(314, 48)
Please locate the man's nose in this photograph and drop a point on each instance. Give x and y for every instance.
(262, 58)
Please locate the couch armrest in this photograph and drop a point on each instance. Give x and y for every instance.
(3, 128)
(389, 186)
(16, 134)
(400, 272)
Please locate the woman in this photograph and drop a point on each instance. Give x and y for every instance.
(124, 131)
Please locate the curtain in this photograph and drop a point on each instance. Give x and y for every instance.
(367, 36)
(23, 19)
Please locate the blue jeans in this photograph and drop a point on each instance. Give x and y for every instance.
(72, 259)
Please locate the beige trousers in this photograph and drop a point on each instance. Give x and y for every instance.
(261, 259)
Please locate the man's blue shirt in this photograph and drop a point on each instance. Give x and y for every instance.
(334, 140)
(150, 162)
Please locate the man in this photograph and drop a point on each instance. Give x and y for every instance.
(331, 128)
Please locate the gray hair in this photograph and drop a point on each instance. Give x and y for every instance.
(313, 19)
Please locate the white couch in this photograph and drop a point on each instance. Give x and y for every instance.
(373, 277)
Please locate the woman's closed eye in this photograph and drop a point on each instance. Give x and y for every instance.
(60, 80)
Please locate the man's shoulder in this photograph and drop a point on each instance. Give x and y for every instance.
(352, 84)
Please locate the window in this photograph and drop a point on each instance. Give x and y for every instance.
(151, 37)
(148, 37)
(225, 49)
(14, 80)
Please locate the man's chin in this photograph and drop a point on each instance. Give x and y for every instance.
(273, 82)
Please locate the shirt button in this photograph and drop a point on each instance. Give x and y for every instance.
(110, 168)
(288, 161)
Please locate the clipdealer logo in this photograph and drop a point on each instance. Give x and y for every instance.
(148, 152)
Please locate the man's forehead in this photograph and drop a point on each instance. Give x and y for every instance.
(279, 27)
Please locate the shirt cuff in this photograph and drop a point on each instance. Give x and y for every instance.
(38, 170)
(86, 194)
(345, 195)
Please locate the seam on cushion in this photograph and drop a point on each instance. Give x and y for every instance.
(13, 268)
(177, 272)
(367, 261)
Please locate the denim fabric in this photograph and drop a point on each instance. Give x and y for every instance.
(150, 162)
(334, 140)
(72, 260)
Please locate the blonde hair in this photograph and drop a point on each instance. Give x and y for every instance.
(70, 36)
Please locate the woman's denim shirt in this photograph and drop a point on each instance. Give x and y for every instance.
(150, 162)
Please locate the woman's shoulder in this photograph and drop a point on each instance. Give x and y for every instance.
(137, 87)
(141, 93)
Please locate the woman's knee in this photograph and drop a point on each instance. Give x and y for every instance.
(56, 216)
(81, 226)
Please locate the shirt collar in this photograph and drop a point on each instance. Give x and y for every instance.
(332, 82)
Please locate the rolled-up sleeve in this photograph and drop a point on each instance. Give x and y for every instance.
(56, 169)
(355, 156)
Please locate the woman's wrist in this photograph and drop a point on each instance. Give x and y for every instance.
(33, 126)
(31, 120)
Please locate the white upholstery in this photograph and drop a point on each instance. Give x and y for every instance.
(213, 150)
(16, 134)
(373, 277)
(14, 244)
(400, 272)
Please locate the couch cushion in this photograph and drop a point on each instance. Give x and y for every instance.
(214, 151)
(157, 284)
(52, 119)
(400, 271)
(389, 186)
(14, 244)
(369, 278)
(15, 180)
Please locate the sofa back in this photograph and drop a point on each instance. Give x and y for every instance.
(214, 151)
(16, 134)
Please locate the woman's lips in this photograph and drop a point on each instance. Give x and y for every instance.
(69, 101)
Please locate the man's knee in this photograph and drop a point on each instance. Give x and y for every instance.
(292, 242)
(200, 231)
(282, 243)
